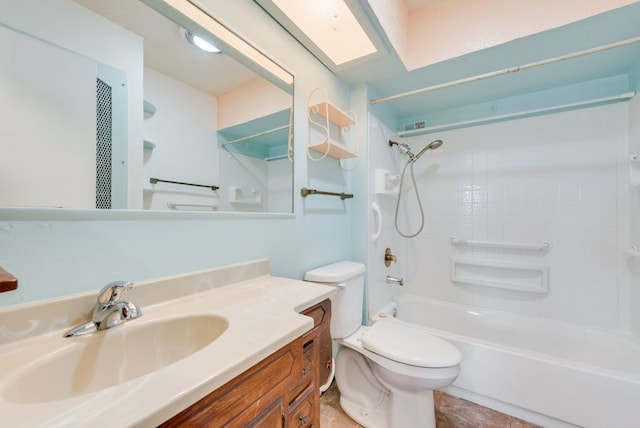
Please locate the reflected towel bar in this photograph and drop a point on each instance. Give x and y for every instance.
(456, 242)
(304, 192)
(158, 180)
(177, 205)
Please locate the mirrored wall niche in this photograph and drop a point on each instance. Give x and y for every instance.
(112, 107)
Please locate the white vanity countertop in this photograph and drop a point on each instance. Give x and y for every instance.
(262, 315)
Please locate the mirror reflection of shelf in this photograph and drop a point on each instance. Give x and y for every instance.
(149, 109)
(265, 138)
(244, 195)
(634, 170)
(334, 119)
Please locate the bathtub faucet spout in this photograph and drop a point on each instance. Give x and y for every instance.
(394, 280)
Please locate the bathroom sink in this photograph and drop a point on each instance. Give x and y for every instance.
(107, 358)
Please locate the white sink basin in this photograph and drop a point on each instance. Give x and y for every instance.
(112, 357)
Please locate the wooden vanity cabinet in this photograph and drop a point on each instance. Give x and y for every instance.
(279, 391)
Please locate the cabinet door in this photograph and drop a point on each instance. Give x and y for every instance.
(271, 417)
(254, 398)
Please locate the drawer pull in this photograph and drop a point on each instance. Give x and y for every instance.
(304, 371)
(303, 419)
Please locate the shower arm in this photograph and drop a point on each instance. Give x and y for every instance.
(406, 150)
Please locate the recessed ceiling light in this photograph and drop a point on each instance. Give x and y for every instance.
(229, 39)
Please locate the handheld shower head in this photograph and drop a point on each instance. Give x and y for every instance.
(431, 146)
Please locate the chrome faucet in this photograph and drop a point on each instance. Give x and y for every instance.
(394, 280)
(109, 310)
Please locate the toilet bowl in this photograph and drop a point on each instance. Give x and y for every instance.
(386, 372)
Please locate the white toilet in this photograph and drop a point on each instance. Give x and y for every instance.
(386, 373)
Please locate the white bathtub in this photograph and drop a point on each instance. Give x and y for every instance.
(548, 372)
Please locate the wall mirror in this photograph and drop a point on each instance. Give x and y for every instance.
(119, 109)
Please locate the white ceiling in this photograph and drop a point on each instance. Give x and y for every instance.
(166, 50)
(415, 5)
(386, 74)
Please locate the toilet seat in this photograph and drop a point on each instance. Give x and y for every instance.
(355, 342)
(407, 345)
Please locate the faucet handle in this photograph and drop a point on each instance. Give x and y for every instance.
(110, 293)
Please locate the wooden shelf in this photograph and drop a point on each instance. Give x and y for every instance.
(8, 282)
(336, 150)
(335, 115)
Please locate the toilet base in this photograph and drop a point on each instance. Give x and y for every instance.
(404, 414)
(367, 417)
(373, 403)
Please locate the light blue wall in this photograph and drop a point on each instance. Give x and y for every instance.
(58, 257)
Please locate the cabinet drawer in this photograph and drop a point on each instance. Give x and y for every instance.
(303, 411)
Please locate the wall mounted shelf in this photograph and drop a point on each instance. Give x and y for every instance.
(529, 277)
(334, 114)
(422, 129)
(333, 149)
(149, 109)
(148, 145)
(386, 183)
(330, 139)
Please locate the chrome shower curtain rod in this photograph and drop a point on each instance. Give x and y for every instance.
(507, 70)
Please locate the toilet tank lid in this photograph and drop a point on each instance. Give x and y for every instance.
(336, 272)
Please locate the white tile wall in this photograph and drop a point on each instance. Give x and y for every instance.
(560, 178)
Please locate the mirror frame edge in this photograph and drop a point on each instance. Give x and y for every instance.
(72, 214)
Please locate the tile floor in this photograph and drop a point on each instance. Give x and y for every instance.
(331, 415)
(451, 412)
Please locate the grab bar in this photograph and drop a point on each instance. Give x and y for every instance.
(304, 192)
(544, 245)
(153, 180)
(377, 214)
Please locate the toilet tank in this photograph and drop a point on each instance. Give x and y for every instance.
(346, 305)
